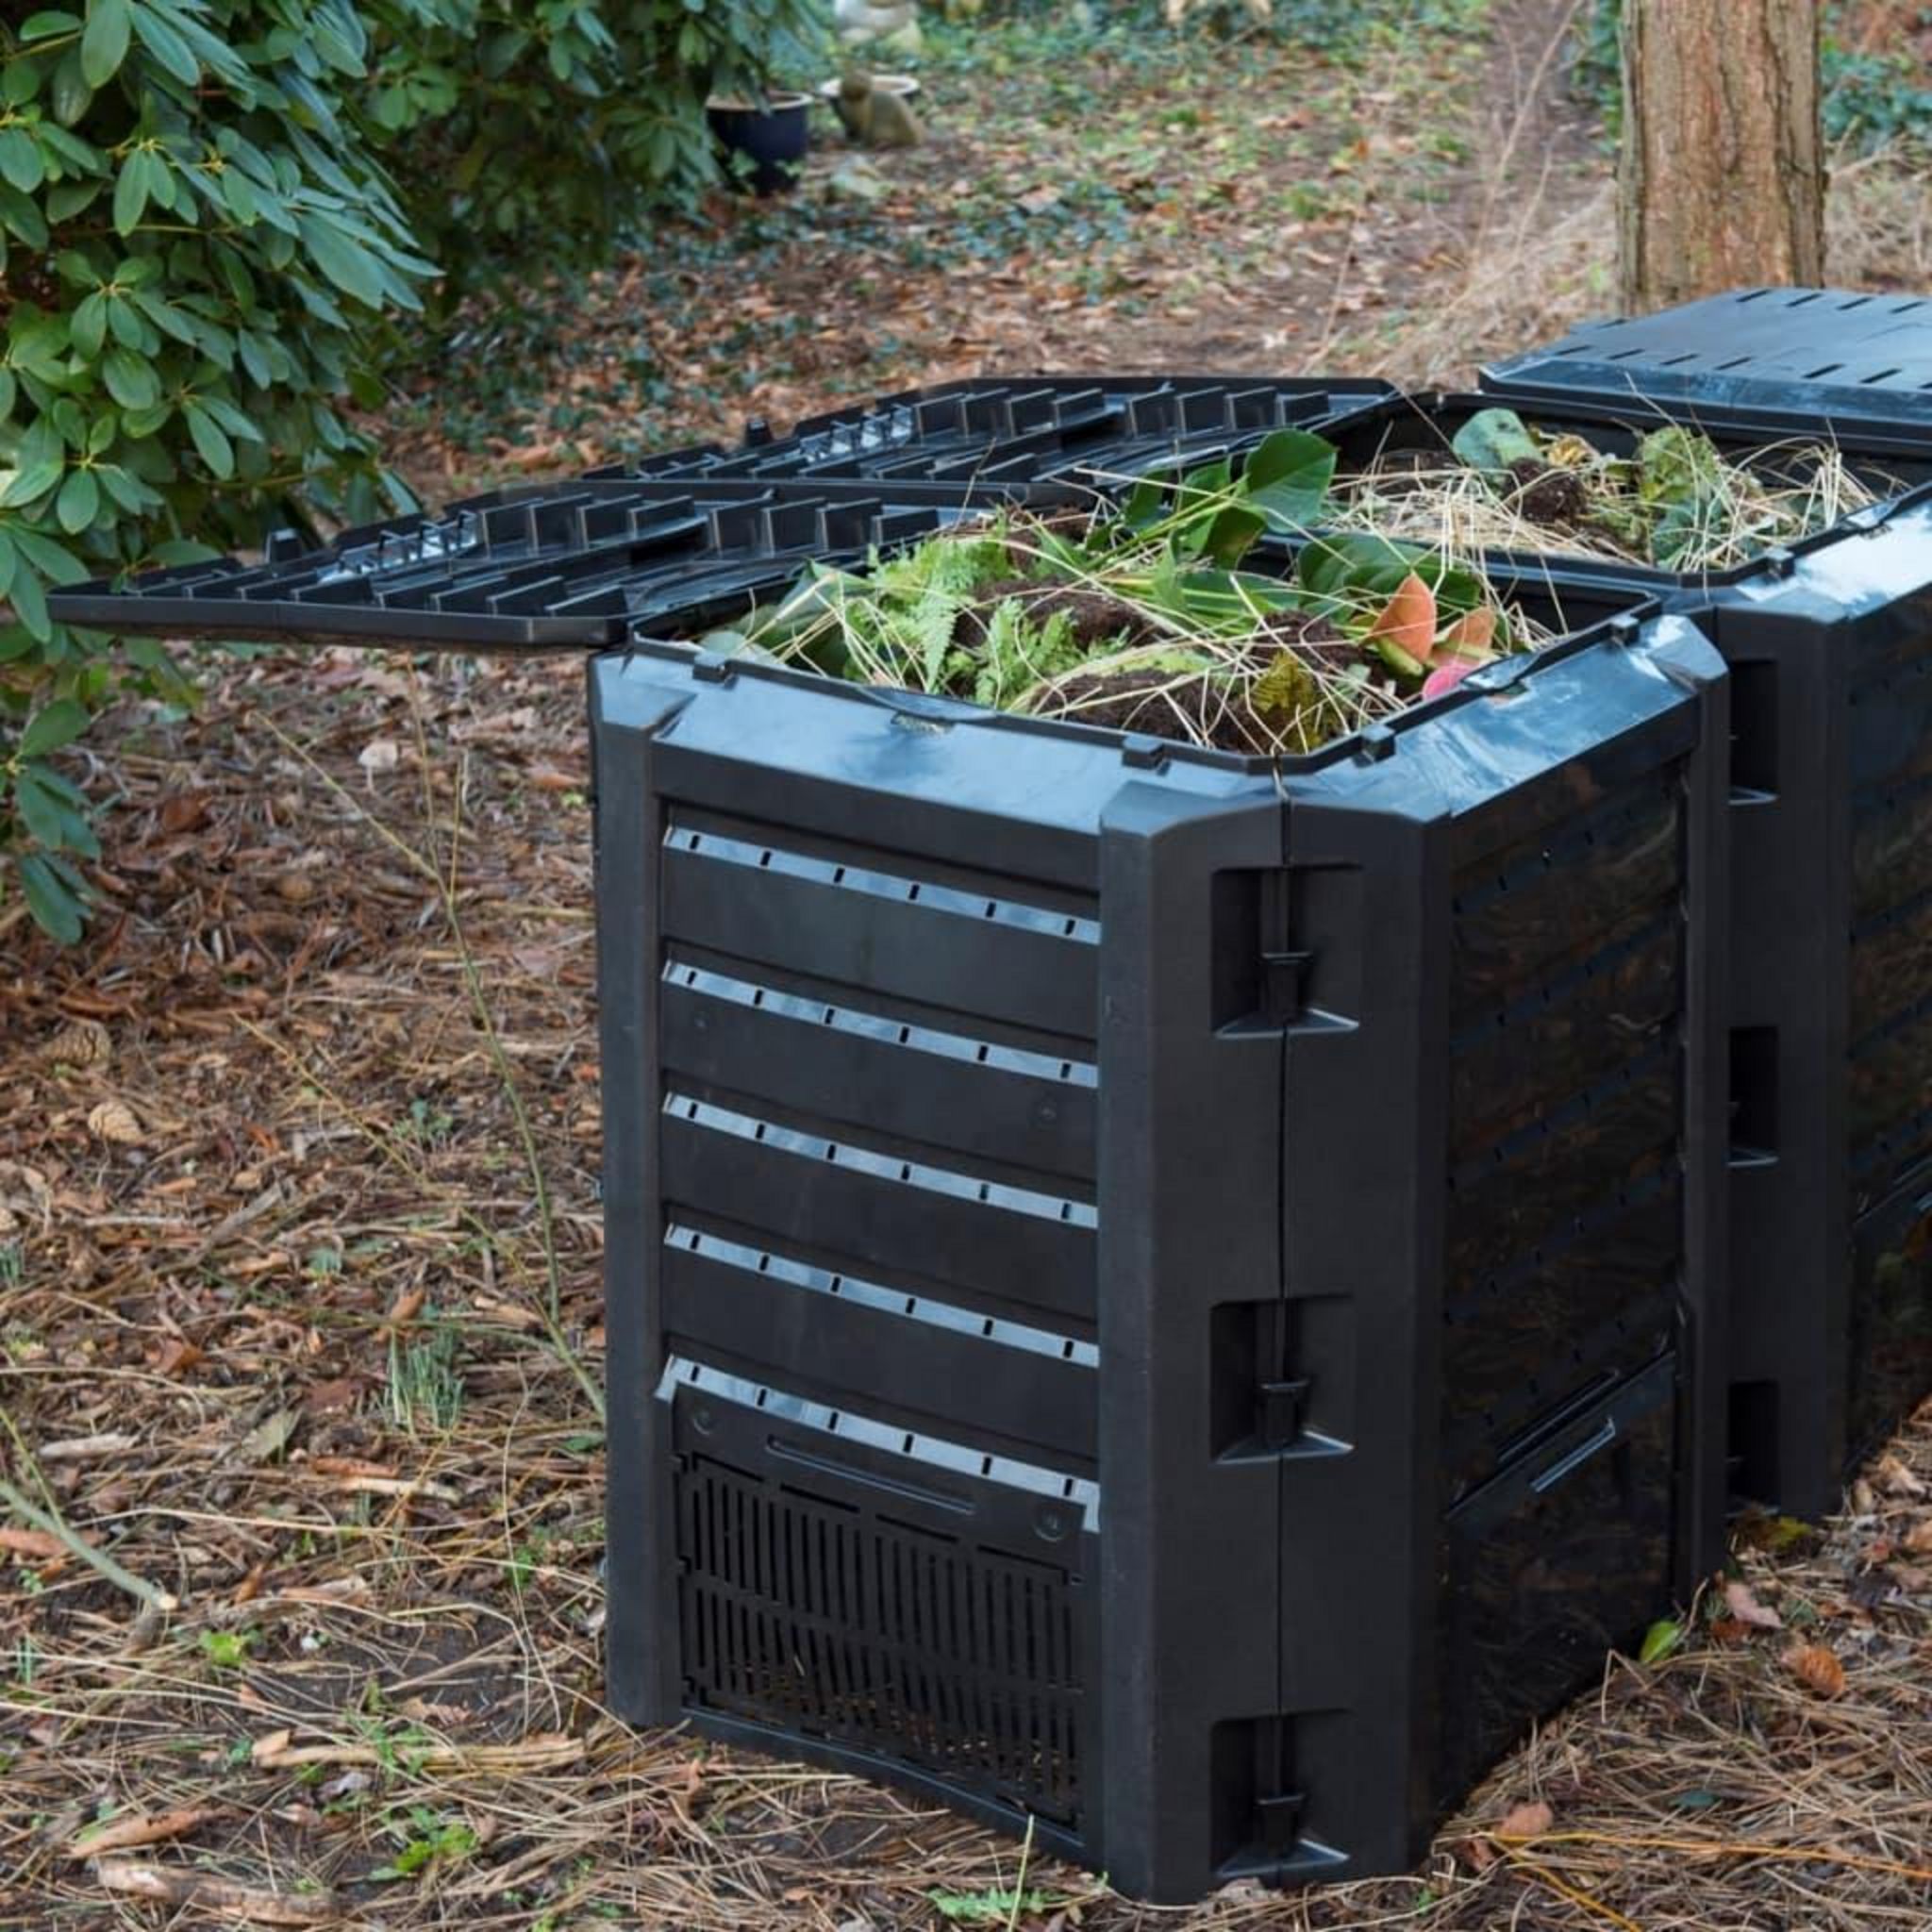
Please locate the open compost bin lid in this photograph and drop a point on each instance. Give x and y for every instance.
(573, 564)
(1794, 360)
(1029, 430)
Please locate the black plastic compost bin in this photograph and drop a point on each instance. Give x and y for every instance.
(1829, 645)
(1166, 1294)
(1029, 430)
(1832, 942)
(1153, 1289)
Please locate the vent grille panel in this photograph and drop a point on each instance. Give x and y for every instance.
(844, 1626)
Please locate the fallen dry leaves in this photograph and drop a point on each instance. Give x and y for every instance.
(228, 1898)
(273, 974)
(1745, 1607)
(34, 1546)
(1528, 1820)
(1816, 1668)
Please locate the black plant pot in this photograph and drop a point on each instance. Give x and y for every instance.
(772, 138)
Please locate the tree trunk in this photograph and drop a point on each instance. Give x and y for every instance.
(1722, 178)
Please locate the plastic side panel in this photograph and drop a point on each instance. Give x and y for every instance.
(916, 1075)
(1705, 1338)
(1465, 837)
(879, 1207)
(853, 1079)
(1190, 1170)
(1833, 1061)
(1568, 1109)
(825, 760)
(850, 912)
(918, 1355)
(882, 1595)
(1891, 1316)
(1890, 968)
(1640, 820)
(1550, 1566)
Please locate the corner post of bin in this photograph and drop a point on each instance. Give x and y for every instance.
(1190, 1164)
(627, 711)
(1367, 1136)
(1788, 916)
(1708, 1314)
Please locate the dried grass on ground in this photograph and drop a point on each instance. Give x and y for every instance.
(1544, 262)
(289, 1334)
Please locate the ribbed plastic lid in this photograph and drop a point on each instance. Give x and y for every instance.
(1030, 429)
(572, 564)
(1794, 358)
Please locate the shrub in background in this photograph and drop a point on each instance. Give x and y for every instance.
(534, 137)
(197, 254)
(203, 249)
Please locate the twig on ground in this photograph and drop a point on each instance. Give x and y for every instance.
(125, 1834)
(226, 1896)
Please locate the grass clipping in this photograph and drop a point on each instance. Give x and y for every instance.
(1674, 502)
(1276, 609)
(1152, 616)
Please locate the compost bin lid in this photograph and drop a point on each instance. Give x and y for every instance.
(577, 565)
(1795, 359)
(1029, 429)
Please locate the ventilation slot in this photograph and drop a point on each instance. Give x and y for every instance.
(838, 1626)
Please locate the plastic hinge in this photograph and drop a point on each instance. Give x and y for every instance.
(756, 432)
(714, 667)
(1280, 1409)
(1149, 752)
(1779, 562)
(1283, 973)
(1374, 742)
(1279, 1821)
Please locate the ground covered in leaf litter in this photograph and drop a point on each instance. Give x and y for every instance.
(293, 1338)
(1090, 196)
(299, 1300)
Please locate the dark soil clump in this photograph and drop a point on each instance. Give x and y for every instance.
(1311, 634)
(1547, 494)
(1092, 616)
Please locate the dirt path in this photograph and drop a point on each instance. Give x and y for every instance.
(1532, 146)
